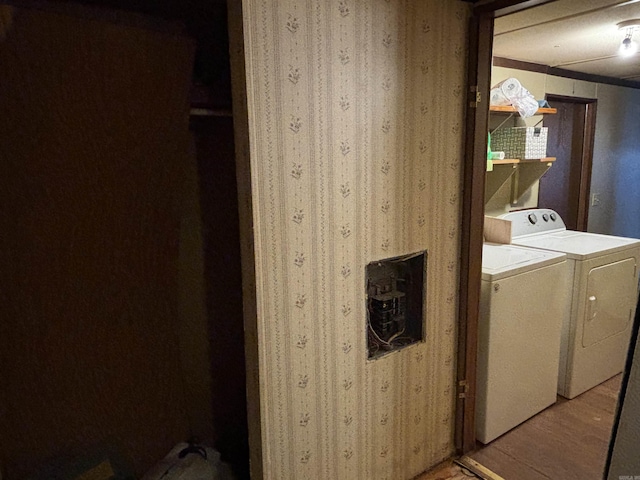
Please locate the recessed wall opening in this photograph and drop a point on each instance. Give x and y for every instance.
(395, 293)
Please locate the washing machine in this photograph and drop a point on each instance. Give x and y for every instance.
(603, 271)
(523, 296)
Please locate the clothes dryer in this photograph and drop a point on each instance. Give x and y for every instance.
(603, 273)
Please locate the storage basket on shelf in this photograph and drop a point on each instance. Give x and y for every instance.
(520, 142)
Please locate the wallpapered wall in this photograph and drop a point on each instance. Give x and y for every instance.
(355, 122)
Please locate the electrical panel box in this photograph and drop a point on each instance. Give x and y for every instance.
(395, 295)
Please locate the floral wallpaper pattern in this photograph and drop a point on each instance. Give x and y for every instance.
(355, 123)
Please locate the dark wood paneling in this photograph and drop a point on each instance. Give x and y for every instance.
(559, 187)
(206, 22)
(247, 246)
(93, 132)
(566, 187)
(506, 7)
(172, 10)
(587, 77)
(563, 72)
(520, 65)
(223, 280)
(584, 193)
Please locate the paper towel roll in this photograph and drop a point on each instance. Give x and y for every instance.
(511, 92)
(496, 97)
(504, 92)
(511, 88)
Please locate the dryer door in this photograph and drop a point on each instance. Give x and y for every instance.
(611, 296)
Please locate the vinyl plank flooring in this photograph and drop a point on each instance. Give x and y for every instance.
(551, 455)
(613, 384)
(604, 398)
(567, 441)
(572, 422)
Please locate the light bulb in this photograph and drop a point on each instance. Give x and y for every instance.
(628, 47)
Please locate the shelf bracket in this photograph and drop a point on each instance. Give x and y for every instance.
(515, 181)
(503, 122)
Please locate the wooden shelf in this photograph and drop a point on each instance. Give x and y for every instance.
(510, 109)
(521, 173)
(510, 161)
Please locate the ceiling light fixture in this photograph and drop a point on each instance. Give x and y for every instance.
(628, 46)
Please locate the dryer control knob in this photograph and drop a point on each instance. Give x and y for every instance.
(532, 218)
(545, 217)
(553, 217)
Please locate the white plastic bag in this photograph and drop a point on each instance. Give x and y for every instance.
(192, 466)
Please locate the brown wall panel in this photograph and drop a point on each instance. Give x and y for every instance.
(223, 286)
(93, 131)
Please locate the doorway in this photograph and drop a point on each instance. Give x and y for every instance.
(565, 187)
(579, 176)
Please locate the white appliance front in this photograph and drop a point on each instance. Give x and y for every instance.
(523, 295)
(603, 274)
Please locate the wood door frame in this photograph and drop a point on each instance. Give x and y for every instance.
(586, 162)
(247, 246)
(480, 44)
(477, 118)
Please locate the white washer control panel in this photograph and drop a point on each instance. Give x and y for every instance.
(535, 221)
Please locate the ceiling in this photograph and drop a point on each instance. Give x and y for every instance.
(578, 35)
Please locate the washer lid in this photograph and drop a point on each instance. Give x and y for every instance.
(578, 245)
(499, 261)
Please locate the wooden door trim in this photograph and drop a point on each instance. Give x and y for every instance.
(570, 99)
(247, 246)
(481, 40)
(586, 162)
(500, 8)
(477, 120)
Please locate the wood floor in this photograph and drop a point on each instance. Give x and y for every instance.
(567, 441)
